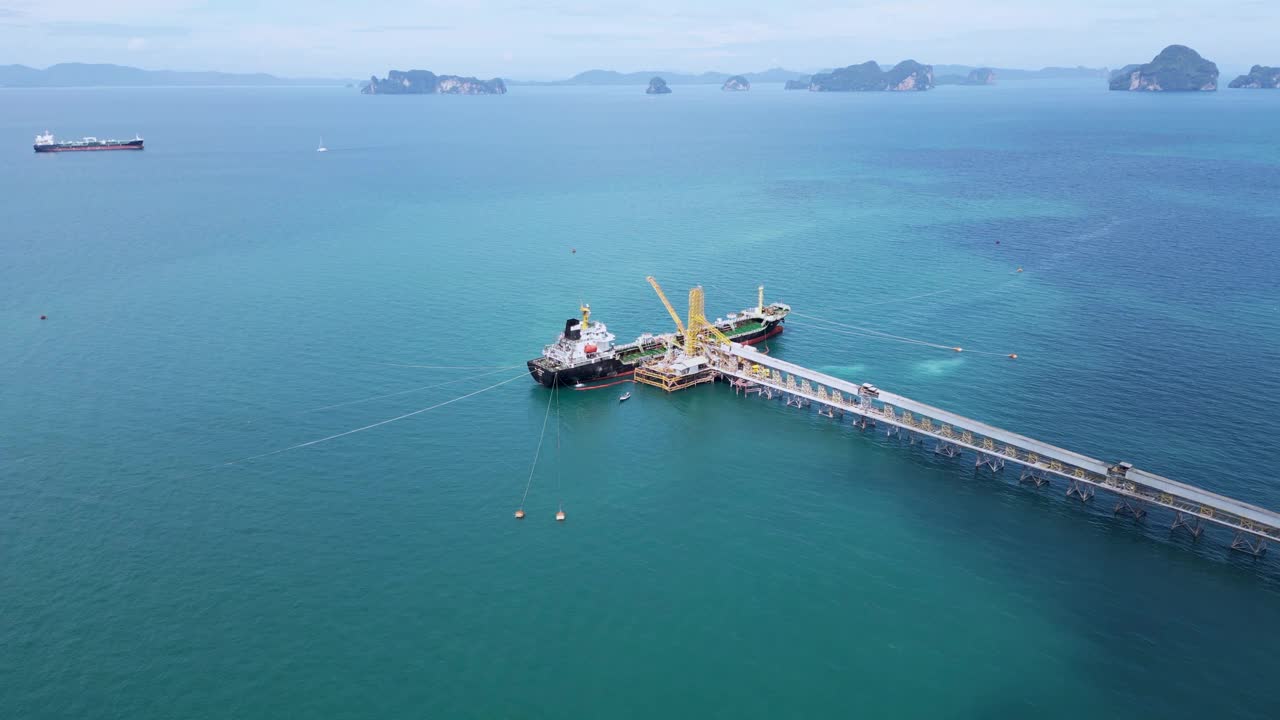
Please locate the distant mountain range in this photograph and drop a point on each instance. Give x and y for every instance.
(611, 77)
(782, 75)
(102, 75)
(94, 75)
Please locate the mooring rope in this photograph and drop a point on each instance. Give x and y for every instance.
(559, 495)
(869, 332)
(538, 451)
(380, 423)
(405, 392)
(450, 367)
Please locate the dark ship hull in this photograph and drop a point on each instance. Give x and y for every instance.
(611, 371)
(90, 147)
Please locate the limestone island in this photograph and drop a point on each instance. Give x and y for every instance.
(1177, 68)
(737, 83)
(796, 85)
(977, 76)
(1260, 77)
(425, 82)
(657, 86)
(906, 75)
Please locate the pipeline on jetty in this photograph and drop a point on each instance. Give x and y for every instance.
(1193, 508)
(701, 352)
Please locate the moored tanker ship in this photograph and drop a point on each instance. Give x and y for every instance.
(585, 353)
(46, 143)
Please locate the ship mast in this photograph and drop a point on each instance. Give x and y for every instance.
(760, 301)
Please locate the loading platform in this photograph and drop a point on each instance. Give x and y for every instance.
(1193, 508)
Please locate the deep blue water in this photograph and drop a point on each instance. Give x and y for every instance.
(229, 292)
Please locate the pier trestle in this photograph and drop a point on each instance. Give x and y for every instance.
(1248, 543)
(1034, 476)
(1127, 506)
(994, 462)
(994, 447)
(1190, 523)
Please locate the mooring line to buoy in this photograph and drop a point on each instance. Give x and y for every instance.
(559, 493)
(538, 451)
(380, 423)
(869, 332)
(201, 471)
(405, 392)
(449, 367)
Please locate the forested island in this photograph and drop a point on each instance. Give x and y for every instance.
(1177, 68)
(657, 86)
(425, 82)
(1260, 77)
(977, 76)
(737, 83)
(868, 77)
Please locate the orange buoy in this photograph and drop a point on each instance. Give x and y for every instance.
(559, 516)
(1013, 356)
(958, 349)
(520, 514)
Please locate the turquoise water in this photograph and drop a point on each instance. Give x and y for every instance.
(229, 293)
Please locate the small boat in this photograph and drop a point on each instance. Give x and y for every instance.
(322, 148)
(625, 396)
(579, 385)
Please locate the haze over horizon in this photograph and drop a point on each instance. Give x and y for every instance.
(556, 39)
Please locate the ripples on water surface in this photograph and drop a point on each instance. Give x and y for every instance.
(208, 299)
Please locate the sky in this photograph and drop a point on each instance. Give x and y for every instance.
(528, 39)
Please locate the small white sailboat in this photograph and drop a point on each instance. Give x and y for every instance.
(625, 396)
(322, 148)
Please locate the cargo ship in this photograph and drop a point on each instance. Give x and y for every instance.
(46, 143)
(584, 356)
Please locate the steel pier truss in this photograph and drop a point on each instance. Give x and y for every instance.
(1040, 463)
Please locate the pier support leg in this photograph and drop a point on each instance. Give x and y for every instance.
(893, 431)
(863, 422)
(1190, 523)
(1244, 542)
(1031, 475)
(1128, 506)
(995, 462)
(1084, 491)
(946, 449)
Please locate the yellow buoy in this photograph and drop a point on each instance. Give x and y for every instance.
(520, 514)
(560, 515)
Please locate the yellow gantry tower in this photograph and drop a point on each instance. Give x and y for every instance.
(699, 326)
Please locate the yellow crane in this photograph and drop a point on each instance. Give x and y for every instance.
(698, 324)
(667, 303)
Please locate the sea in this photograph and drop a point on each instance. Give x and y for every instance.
(260, 457)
